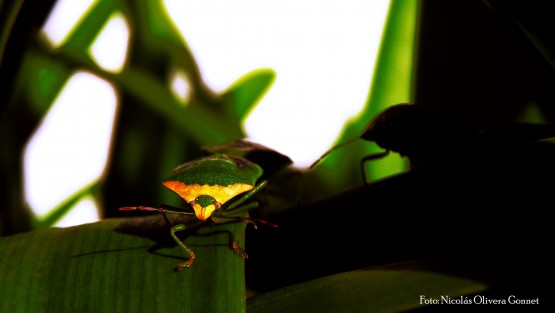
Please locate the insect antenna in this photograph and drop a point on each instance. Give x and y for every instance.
(257, 220)
(331, 150)
(163, 209)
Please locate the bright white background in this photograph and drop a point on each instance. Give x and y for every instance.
(323, 52)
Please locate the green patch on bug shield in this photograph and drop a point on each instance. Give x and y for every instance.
(221, 176)
(217, 169)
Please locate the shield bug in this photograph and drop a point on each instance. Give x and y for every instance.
(427, 138)
(216, 189)
(414, 132)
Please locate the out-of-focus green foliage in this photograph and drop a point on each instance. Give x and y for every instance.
(239, 99)
(20, 111)
(534, 19)
(64, 207)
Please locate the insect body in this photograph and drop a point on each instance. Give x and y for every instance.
(414, 132)
(427, 138)
(216, 188)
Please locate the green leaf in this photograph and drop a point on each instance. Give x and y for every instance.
(91, 24)
(9, 12)
(534, 19)
(368, 290)
(66, 205)
(40, 80)
(102, 267)
(158, 35)
(203, 125)
(241, 97)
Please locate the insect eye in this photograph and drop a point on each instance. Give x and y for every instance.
(217, 205)
(205, 201)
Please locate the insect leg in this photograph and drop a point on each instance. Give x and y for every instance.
(245, 219)
(189, 262)
(248, 195)
(239, 211)
(369, 158)
(240, 214)
(235, 245)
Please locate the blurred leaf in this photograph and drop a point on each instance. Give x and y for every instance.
(19, 24)
(532, 114)
(158, 36)
(157, 28)
(368, 290)
(535, 20)
(8, 12)
(40, 80)
(94, 268)
(66, 205)
(242, 96)
(90, 26)
(203, 125)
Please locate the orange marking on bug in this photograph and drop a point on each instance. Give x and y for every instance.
(221, 193)
(202, 213)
